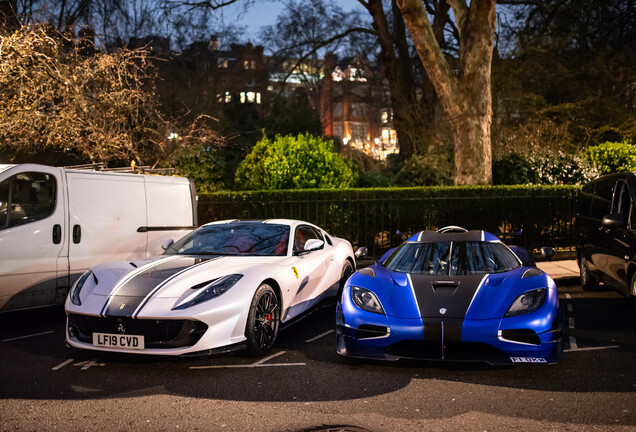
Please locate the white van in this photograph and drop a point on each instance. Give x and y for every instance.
(55, 223)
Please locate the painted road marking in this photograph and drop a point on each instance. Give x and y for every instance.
(573, 345)
(321, 335)
(61, 365)
(27, 336)
(260, 363)
(593, 348)
(571, 322)
(84, 364)
(570, 308)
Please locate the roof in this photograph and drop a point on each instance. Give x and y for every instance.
(434, 236)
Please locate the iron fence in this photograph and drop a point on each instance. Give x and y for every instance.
(532, 216)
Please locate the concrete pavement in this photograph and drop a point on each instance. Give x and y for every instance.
(566, 269)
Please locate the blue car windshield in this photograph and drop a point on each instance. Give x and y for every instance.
(452, 258)
(249, 238)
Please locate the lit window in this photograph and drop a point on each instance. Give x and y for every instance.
(385, 135)
(258, 98)
(253, 64)
(242, 97)
(385, 117)
(228, 97)
(246, 64)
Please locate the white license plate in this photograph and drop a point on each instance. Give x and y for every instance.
(118, 341)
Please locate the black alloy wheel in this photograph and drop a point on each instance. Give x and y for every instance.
(263, 321)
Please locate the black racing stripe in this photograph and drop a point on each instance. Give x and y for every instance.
(134, 291)
(453, 293)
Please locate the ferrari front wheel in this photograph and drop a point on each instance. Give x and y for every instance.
(263, 320)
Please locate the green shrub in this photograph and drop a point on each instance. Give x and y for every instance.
(203, 164)
(426, 170)
(294, 162)
(374, 179)
(541, 168)
(611, 157)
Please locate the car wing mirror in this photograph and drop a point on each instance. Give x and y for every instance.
(613, 220)
(166, 244)
(361, 252)
(313, 244)
(547, 252)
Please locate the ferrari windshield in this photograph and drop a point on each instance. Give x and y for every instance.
(248, 238)
(452, 258)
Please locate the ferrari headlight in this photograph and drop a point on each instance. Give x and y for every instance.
(207, 291)
(74, 293)
(527, 302)
(366, 300)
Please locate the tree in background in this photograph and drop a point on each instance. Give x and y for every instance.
(294, 162)
(568, 77)
(99, 107)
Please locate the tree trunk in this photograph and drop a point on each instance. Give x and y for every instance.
(466, 97)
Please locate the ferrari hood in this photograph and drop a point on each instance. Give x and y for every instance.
(128, 286)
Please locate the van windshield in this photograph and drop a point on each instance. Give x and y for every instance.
(251, 239)
(452, 258)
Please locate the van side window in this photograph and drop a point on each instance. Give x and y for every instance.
(601, 204)
(25, 198)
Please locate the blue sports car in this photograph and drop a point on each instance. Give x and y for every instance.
(451, 295)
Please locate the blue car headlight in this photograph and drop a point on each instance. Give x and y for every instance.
(527, 302)
(74, 293)
(207, 291)
(366, 300)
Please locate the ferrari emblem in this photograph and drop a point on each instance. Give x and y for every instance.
(122, 306)
(295, 272)
(442, 311)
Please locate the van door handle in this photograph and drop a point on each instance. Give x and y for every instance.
(57, 234)
(77, 234)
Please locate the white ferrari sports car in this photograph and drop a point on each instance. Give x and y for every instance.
(226, 286)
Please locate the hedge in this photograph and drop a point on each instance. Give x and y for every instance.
(380, 218)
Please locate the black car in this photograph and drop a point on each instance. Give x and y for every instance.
(606, 234)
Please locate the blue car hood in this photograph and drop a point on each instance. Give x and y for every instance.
(483, 296)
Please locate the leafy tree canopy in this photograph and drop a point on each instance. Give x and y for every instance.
(294, 162)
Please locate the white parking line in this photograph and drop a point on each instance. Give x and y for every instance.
(260, 363)
(573, 345)
(319, 336)
(571, 322)
(61, 365)
(27, 336)
(592, 348)
(570, 308)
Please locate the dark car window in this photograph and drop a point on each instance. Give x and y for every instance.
(452, 258)
(621, 200)
(302, 234)
(26, 197)
(602, 199)
(234, 239)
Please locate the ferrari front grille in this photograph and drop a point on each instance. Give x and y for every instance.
(157, 333)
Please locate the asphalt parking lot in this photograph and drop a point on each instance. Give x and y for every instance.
(304, 385)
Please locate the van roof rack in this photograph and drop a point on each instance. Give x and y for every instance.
(99, 166)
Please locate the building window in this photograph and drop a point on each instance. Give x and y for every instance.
(338, 129)
(385, 117)
(242, 97)
(385, 135)
(227, 97)
(359, 131)
(258, 97)
(250, 97)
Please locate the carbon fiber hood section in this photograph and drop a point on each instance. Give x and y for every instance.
(445, 296)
